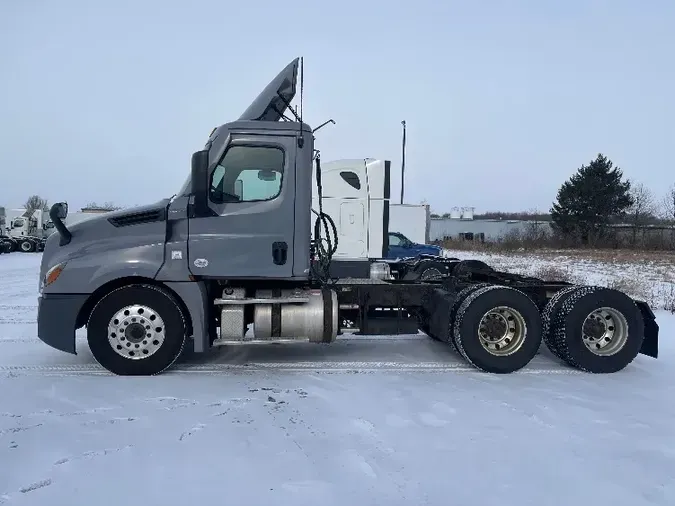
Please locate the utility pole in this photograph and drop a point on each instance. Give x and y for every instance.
(403, 162)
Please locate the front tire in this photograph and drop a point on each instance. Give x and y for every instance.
(498, 329)
(137, 330)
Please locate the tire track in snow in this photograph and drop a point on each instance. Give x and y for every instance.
(32, 339)
(109, 421)
(27, 488)
(35, 486)
(14, 430)
(92, 454)
(192, 431)
(319, 367)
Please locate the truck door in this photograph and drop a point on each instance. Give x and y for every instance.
(352, 229)
(252, 196)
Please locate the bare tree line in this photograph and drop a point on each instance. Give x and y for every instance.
(36, 202)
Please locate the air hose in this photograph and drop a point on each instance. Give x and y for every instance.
(324, 252)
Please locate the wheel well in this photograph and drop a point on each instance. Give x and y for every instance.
(103, 290)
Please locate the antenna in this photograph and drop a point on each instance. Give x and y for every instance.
(302, 83)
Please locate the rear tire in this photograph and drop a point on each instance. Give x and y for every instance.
(137, 330)
(425, 328)
(498, 329)
(597, 330)
(549, 312)
(461, 296)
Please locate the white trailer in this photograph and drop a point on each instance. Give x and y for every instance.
(356, 193)
(411, 220)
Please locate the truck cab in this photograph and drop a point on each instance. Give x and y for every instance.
(242, 218)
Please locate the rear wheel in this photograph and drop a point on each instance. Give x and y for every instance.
(137, 330)
(461, 296)
(27, 246)
(498, 329)
(597, 330)
(549, 312)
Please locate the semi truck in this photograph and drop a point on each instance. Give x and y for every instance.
(199, 269)
(25, 230)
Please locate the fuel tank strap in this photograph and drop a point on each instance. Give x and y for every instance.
(276, 315)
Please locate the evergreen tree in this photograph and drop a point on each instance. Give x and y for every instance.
(587, 202)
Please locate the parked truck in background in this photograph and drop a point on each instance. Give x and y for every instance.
(370, 228)
(26, 230)
(6, 243)
(200, 268)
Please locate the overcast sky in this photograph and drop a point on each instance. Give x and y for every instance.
(504, 100)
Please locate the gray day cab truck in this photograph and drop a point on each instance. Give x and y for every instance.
(234, 248)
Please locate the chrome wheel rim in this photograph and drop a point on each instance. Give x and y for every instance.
(502, 331)
(136, 332)
(605, 331)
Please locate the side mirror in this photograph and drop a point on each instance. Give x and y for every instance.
(58, 213)
(200, 181)
(59, 210)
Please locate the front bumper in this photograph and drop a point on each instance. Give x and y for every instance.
(57, 317)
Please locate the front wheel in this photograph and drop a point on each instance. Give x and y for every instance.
(137, 330)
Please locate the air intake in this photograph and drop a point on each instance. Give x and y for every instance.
(137, 218)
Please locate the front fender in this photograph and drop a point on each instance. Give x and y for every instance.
(86, 273)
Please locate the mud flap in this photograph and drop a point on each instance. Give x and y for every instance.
(650, 344)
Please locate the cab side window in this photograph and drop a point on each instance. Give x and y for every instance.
(247, 174)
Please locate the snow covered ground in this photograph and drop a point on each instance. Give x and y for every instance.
(400, 421)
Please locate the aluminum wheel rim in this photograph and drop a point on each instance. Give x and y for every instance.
(605, 331)
(136, 332)
(26, 246)
(502, 331)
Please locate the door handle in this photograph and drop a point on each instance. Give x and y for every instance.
(279, 252)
